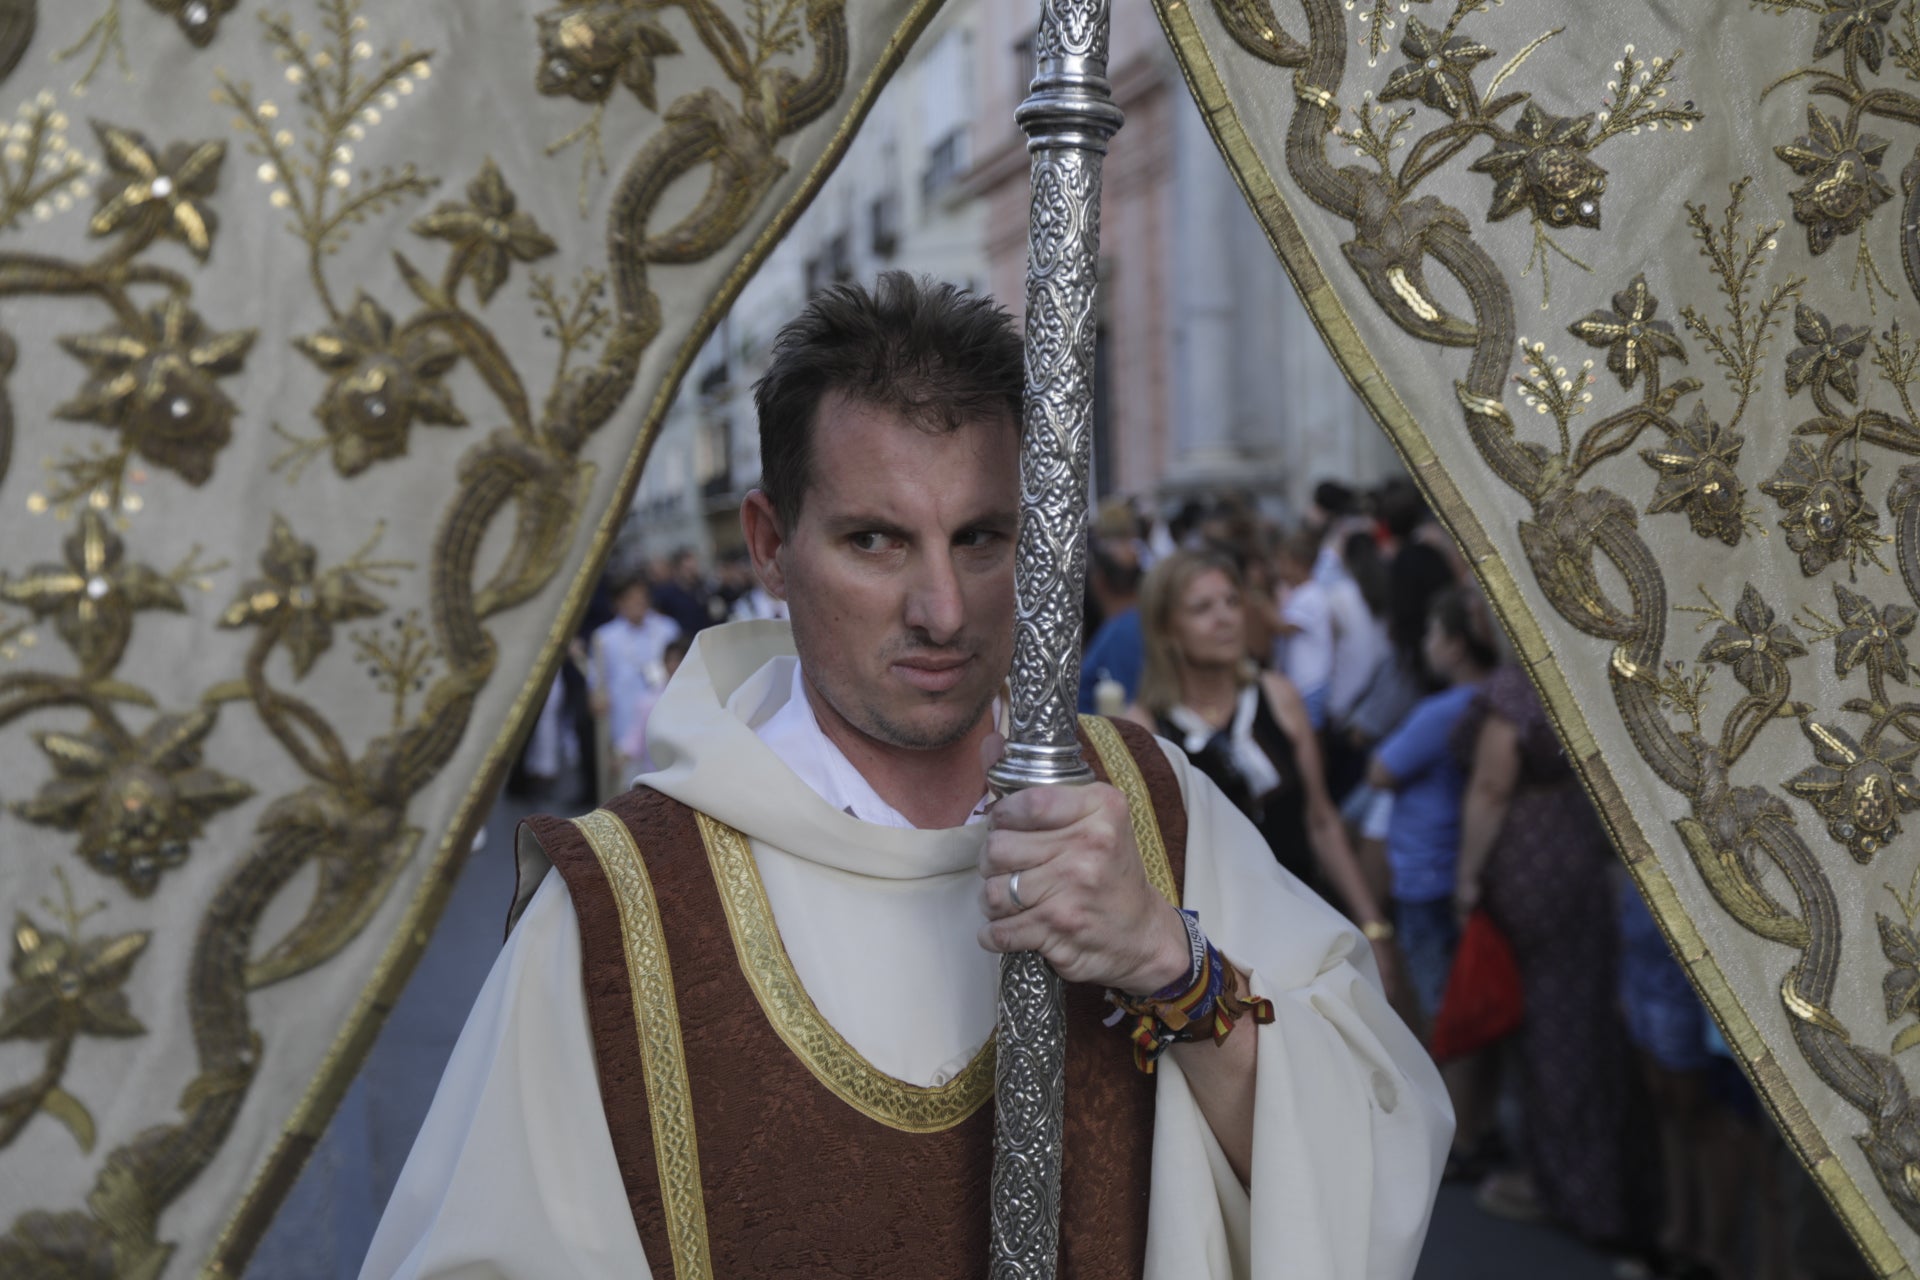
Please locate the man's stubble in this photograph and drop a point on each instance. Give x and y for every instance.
(870, 717)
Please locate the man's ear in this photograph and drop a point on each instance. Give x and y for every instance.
(761, 525)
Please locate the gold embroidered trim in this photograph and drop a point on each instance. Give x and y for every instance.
(1123, 771)
(1410, 440)
(834, 1063)
(797, 1020)
(656, 1015)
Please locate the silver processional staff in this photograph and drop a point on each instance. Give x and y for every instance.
(1068, 116)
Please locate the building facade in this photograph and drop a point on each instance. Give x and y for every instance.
(1211, 374)
(1214, 375)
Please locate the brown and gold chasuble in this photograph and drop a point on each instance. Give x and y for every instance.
(736, 1104)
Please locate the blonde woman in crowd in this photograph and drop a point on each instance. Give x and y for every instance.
(1245, 729)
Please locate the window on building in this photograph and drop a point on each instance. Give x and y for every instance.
(839, 264)
(883, 224)
(946, 110)
(1023, 67)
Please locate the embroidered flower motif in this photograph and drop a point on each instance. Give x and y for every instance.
(1634, 340)
(382, 381)
(487, 232)
(586, 49)
(199, 20)
(63, 987)
(1752, 641)
(1827, 518)
(153, 381)
(1697, 475)
(93, 596)
(1859, 23)
(301, 605)
(1901, 986)
(1828, 354)
(1871, 635)
(137, 803)
(1843, 185)
(158, 193)
(1545, 165)
(1861, 791)
(1439, 71)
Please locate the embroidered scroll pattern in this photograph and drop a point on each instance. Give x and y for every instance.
(166, 384)
(1858, 784)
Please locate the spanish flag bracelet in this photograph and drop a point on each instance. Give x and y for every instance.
(1210, 999)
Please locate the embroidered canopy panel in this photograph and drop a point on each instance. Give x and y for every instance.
(332, 339)
(1633, 288)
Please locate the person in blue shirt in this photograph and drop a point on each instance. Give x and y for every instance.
(1418, 764)
(1118, 650)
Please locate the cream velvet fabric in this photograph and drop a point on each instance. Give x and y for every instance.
(513, 1174)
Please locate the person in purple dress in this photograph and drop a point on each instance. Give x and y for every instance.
(1533, 853)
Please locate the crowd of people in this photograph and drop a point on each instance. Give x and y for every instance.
(1346, 686)
(591, 736)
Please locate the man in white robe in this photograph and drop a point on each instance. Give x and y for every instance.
(850, 749)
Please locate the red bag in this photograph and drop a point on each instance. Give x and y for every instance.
(1483, 1002)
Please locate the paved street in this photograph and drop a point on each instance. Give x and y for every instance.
(329, 1219)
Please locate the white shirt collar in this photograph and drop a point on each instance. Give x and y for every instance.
(793, 733)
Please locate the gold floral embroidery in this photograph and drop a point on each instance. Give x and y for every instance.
(1751, 642)
(1862, 782)
(199, 20)
(154, 380)
(1827, 517)
(1440, 68)
(137, 801)
(38, 162)
(299, 605)
(64, 987)
(1843, 184)
(138, 795)
(488, 232)
(587, 49)
(1698, 475)
(1544, 163)
(1860, 788)
(383, 381)
(157, 194)
(94, 596)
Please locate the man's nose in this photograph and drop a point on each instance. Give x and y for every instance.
(935, 604)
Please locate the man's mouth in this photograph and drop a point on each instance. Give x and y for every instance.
(932, 675)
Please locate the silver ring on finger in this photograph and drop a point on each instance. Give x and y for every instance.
(1013, 891)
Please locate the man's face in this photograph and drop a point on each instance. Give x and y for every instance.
(898, 572)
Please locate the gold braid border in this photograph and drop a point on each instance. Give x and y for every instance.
(1123, 772)
(797, 1021)
(656, 1015)
(1411, 442)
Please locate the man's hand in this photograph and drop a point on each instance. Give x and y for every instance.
(1088, 907)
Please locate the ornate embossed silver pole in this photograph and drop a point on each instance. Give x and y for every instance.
(1068, 117)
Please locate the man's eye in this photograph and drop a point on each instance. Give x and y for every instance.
(869, 541)
(975, 538)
